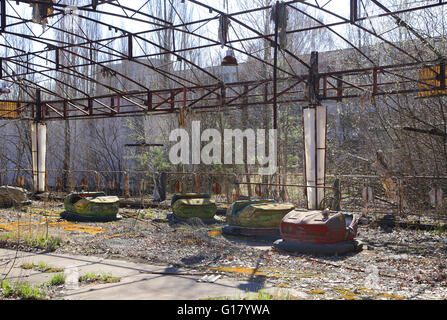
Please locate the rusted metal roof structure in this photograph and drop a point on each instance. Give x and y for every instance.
(331, 85)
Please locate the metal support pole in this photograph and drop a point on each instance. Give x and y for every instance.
(172, 101)
(97, 180)
(442, 74)
(196, 183)
(65, 110)
(340, 88)
(314, 126)
(56, 52)
(223, 93)
(39, 114)
(130, 46)
(90, 106)
(39, 141)
(353, 11)
(3, 15)
(126, 185)
(275, 75)
(275, 91)
(314, 80)
(149, 101)
(118, 102)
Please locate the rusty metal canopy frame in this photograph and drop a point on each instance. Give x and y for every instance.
(280, 85)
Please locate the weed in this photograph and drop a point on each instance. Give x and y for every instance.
(94, 277)
(21, 290)
(440, 231)
(57, 280)
(260, 295)
(42, 242)
(144, 214)
(6, 288)
(217, 298)
(41, 266)
(27, 266)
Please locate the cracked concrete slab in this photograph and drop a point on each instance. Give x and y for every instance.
(138, 280)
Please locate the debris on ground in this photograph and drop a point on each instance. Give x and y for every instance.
(396, 264)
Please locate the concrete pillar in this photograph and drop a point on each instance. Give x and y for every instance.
(39, 150)
(314, 121)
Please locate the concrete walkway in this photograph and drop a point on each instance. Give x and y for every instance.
(138, 281)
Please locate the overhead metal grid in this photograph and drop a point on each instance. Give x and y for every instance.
(203, 89)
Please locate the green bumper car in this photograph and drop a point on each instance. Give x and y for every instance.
(257, 213)
(90, 206)
(193, 205)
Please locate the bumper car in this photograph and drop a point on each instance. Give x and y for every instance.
(256, 217)
(90, 206)
(319, 232)
(193, 205)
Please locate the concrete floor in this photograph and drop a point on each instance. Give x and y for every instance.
(138, 281)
